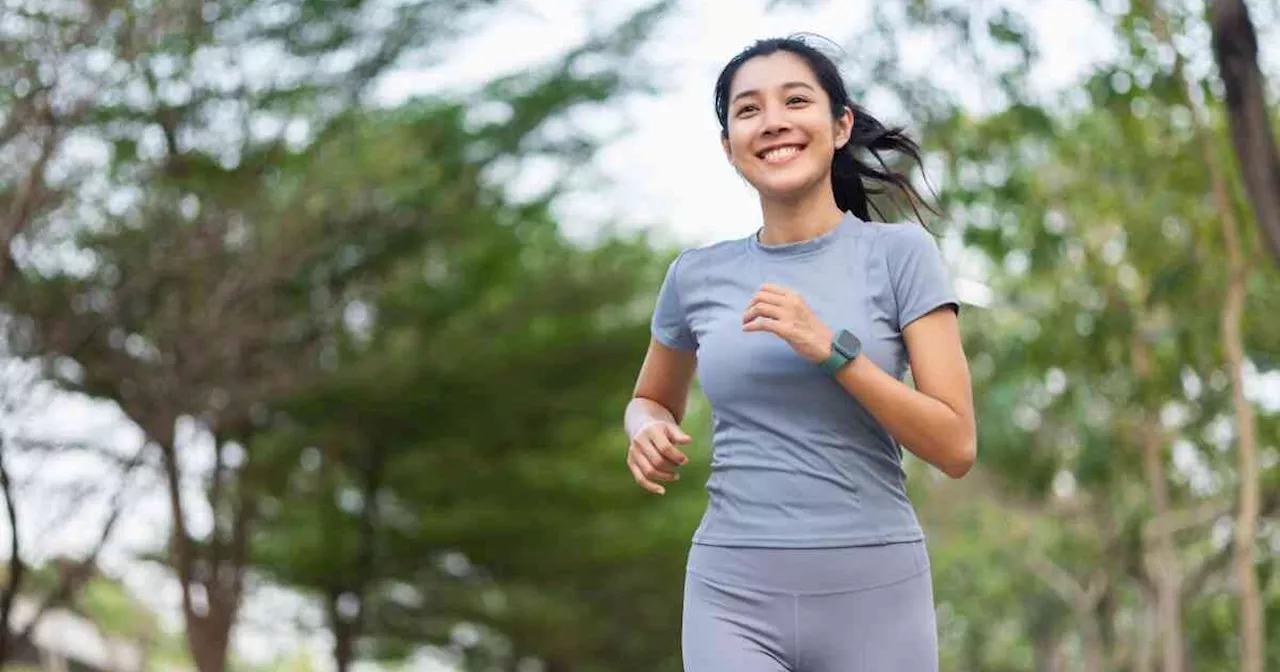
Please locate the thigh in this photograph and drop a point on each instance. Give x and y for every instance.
(732, 629)
(889, 628)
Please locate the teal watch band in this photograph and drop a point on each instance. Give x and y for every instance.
(835, 361)
(845, 347)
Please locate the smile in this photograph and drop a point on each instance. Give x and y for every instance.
(781, 154)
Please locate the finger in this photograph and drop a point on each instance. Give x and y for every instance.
(659, 475)
(656, 462)
(758, 310)
(775, 290)
(770, 298)
(641, 480)
(676, 434)
(777, 327)
(670, 452)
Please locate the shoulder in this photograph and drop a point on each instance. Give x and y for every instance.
(707, 256)
(723, 250)
(903, 240)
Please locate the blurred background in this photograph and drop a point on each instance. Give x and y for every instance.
(318, 317)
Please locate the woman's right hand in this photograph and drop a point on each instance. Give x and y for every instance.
(653, 456)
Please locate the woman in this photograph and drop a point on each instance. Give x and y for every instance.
(809, 557)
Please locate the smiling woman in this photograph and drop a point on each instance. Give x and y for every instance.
(761, 82)
(809, 557)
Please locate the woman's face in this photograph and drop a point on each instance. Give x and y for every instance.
(781, 135)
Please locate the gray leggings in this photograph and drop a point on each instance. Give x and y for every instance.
(856, 609)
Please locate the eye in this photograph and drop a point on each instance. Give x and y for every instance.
(797, 100)
(745, 109)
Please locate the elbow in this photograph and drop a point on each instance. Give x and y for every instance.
(962, 459)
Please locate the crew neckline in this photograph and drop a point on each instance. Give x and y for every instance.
(800, 247)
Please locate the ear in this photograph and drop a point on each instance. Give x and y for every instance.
(844, 128)
(728, 155)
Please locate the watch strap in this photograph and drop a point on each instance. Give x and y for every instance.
(845, 347)
(834, 362)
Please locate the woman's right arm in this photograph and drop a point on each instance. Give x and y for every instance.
(652, 419)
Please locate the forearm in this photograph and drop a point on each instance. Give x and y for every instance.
(641, 411)
(933, 431)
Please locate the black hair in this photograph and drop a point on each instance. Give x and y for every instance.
(869, 135)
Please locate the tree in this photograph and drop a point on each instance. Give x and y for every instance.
(1235, 49)
(218, 287)
(1108, 245)
(469, 418)
(58, 585)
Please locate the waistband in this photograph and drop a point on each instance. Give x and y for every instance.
(808, 570)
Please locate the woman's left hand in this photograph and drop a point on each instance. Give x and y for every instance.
(783, 312)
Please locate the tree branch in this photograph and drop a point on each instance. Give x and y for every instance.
(162, 433)
(216, 544)
(87, 447)
(1179, 520)
(1220, 558)
(71, 580)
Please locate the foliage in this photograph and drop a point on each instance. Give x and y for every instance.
(411, 382)
(483, 369)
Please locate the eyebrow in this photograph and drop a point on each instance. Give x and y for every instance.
(788, 85)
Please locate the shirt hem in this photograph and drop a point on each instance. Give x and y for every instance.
(906, 536)
(907, 318)
(675, 343)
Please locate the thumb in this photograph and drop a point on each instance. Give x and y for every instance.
(678, 434)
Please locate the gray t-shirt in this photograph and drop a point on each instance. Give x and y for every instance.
(796, 461)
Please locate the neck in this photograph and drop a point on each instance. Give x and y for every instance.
(791, 221)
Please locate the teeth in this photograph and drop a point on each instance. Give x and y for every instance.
(781, 153)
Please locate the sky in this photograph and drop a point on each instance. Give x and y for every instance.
(666, 173)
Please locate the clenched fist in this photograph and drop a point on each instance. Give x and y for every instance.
(653, 456)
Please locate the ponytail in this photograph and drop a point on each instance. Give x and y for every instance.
(849, 172)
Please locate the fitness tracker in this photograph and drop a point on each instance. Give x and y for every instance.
(845, 347)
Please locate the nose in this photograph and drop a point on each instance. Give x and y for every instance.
(775, 120)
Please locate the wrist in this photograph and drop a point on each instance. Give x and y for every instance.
(824, 350)
(843, 349)
(642, 425)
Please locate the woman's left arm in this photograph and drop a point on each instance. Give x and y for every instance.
(935, 421)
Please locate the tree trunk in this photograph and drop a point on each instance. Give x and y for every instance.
(347, 627)
(1235, 48)
(1145, 648)
(1047, 648)
(344, 632)
(1162, 557)
(208, 640)
(1083, 601)
(210, 613)
(1252, 628)
(1091, 631)
(17, 571)
(1252, 633)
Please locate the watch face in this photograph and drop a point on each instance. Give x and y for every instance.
(848, 344)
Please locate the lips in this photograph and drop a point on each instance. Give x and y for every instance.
(780, 153)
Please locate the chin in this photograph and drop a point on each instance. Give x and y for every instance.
(790, 186)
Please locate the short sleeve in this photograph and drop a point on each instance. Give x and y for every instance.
(919, 278)
(670, 324)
